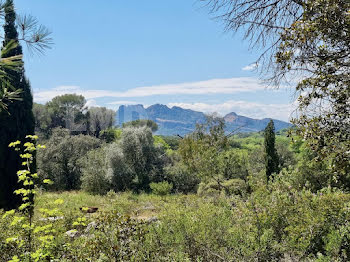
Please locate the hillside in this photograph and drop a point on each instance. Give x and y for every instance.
(177, 120)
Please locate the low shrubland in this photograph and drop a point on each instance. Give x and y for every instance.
(285, 224)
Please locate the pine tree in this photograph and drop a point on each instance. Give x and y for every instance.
(18, 121)
(271, 156)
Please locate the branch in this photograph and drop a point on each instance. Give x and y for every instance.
(235, 130)
(37, 37)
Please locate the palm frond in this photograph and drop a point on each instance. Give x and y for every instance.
(7, 96)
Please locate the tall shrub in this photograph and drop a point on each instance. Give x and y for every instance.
(141, 156)
(18, 121)
(271, 156)
(61, 161)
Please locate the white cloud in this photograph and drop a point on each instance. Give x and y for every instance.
(213, 86)
(249, 109)
(67, 88)
(250, 67)
(91, 103)
(123, 102)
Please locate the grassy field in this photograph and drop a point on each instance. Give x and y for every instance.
(147, 227)
(139, 206)
(127, 226)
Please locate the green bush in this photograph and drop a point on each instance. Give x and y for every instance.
(142, 123)
(279, 225)
(110, 135)
(60, 161)
(129, 164)
(94, 172)
(144, 159)
(193, 230)
(119, 172)
(106, 169)
(182, 180)
(161, 188)
(228, 187)
(113, 238)
(233, 164)
(285, 222)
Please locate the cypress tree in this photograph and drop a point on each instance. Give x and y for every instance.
(271, 156)
(18, 121)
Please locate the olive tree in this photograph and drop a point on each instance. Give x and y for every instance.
(142, 156)
(60, 161)
(131, 163)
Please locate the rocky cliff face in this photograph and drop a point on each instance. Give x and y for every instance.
(246, 124)
(177, 120)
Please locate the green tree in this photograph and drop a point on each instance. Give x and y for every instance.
(200, 150)
(206, 153)
(307, 40)
(67, 111)
(271, 156)
(105, 169)
(100, 118)
(120, 174)
(94, 177)
(131, 163)
(142, 156)
(317, 46)
(142, 123)
(306, 173)
(286, 156)
(61, 161)
(43, 121)
(179, 176)
(111, 134)
(172, 141)
(18, 121)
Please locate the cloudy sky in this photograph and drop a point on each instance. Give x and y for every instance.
(147, 52)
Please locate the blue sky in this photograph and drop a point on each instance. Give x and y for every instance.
(159, 51)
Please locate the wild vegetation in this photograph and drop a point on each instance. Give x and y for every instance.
(96, 192)
(208, 197)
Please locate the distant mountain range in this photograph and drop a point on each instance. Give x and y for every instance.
(180, 121)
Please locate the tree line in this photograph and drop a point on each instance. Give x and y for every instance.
(70, 111)
(131, 158)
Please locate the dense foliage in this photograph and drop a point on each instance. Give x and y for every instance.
(318, 46)
(70, 111)
(310, 50)
(60, 162)
(131, 163)
(235, 216)
(142, 123)
(271, 156)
